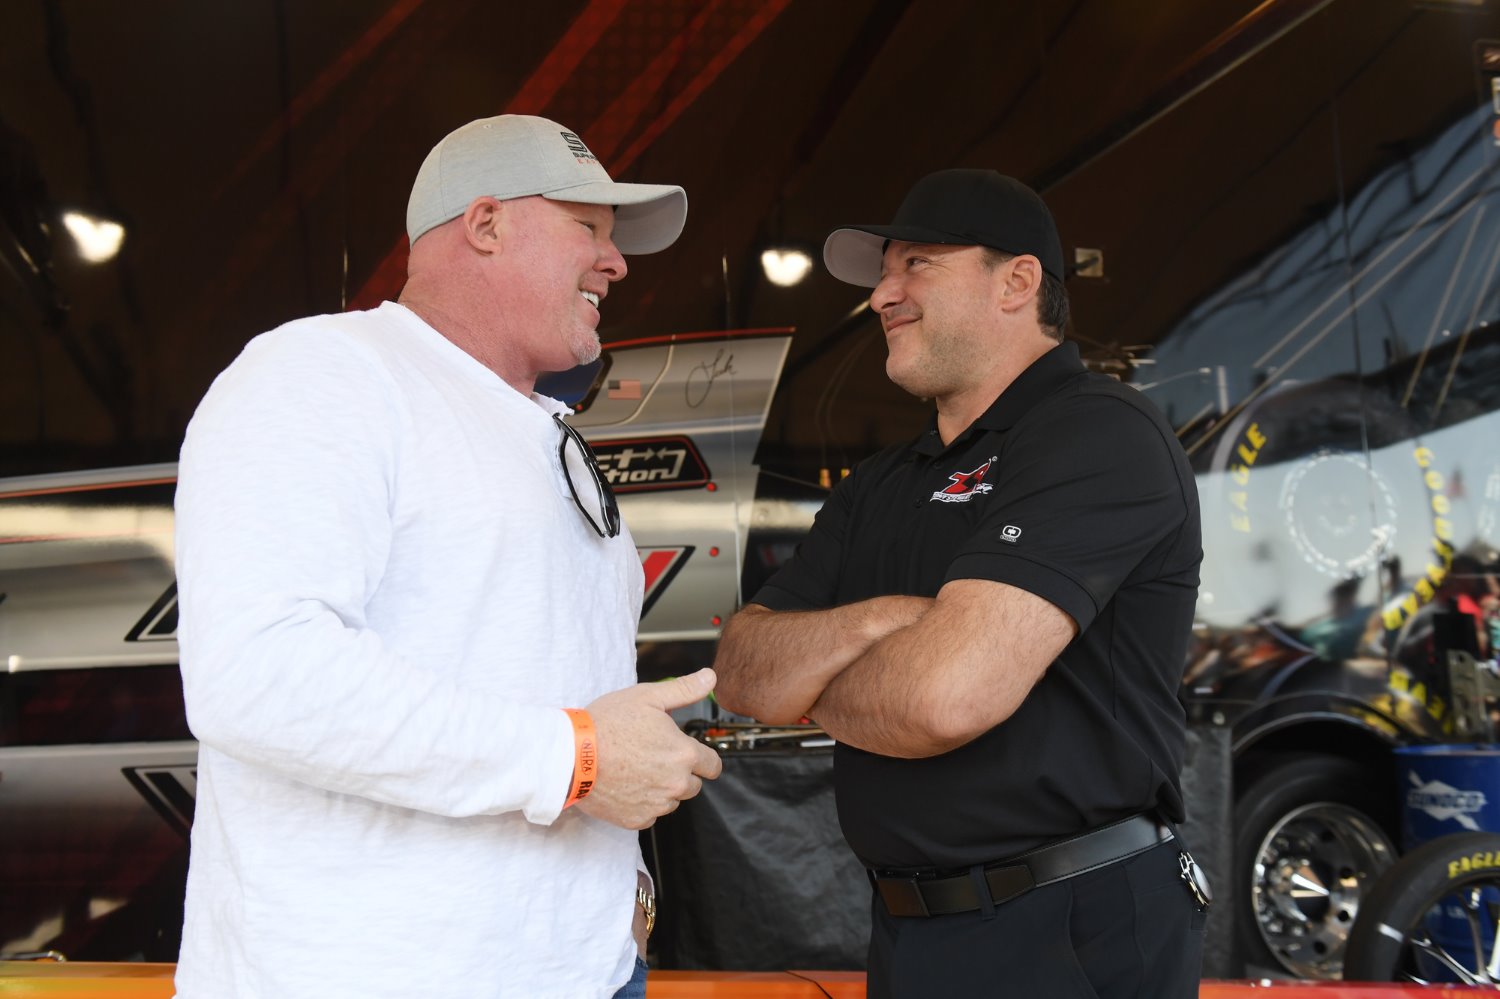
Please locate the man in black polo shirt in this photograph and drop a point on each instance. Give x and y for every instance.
(992, 620)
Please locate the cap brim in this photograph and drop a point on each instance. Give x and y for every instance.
(853, 253)
(648, 217)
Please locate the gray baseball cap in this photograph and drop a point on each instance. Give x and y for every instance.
(517, 156)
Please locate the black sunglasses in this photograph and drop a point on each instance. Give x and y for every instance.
(596, 501)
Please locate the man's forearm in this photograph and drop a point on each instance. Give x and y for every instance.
(878, 703)
(772, 665)
(959, 671)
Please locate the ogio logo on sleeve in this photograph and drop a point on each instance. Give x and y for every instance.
(1011, 533)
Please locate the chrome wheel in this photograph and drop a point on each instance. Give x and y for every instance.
(1310, 872)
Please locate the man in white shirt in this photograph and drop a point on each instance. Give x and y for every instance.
(408, 618)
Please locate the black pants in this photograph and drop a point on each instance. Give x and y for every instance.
(1127, 930)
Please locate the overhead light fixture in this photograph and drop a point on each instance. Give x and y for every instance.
(98, 238)
(785, 267)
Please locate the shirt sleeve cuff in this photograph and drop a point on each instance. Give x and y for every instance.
(776, 599)
(554, 770)
(1058, 589)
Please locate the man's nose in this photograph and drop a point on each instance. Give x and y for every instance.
(611, 262)
(887, 293)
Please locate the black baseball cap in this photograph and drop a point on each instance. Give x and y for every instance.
(962, 207)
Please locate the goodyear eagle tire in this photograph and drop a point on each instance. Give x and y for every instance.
(1311, 836)
(1395, 937)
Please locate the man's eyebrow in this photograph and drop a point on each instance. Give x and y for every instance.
(928, 248)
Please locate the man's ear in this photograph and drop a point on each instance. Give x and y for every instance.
(1020, 282)
(481, 224)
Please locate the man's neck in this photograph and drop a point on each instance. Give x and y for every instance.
(958, 411)
(955, 414)
(478, 341)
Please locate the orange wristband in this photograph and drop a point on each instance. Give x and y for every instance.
(585, 755)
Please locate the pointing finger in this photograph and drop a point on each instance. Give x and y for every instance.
(681, 691)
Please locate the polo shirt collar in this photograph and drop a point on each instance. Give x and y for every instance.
(1046, 373)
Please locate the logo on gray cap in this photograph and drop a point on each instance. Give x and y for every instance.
(580, 151)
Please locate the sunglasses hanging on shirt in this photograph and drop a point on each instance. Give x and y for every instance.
(591, 492)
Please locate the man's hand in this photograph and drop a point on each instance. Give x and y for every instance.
(647, 766)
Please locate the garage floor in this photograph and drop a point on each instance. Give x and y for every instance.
(78, 980)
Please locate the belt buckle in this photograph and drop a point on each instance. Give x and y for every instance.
(1008, 881)
(902, 896)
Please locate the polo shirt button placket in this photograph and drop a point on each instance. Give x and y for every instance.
(932, 466)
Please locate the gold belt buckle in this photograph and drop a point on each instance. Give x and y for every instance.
(647, 902)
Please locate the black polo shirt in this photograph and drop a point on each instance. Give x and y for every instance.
(1071, 486)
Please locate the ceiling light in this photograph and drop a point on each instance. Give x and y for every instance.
(98, 238)
(785, 267)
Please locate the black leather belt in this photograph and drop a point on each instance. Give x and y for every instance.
(921, 895)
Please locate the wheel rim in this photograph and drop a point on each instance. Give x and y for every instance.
(1455, 938)
(1309, 874)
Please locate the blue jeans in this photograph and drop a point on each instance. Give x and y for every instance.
(636, 987)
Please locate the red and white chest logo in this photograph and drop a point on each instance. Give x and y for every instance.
(966, 485)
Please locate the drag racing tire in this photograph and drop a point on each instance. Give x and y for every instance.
(1392, 941)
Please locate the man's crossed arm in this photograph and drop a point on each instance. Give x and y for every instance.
(900, 676)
